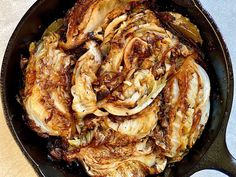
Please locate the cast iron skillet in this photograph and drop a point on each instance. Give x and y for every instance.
(210, 151)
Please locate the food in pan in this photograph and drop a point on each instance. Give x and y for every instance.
(118, 86)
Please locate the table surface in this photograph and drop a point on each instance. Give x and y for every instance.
(12, 161)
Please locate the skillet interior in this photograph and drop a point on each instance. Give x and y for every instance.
(31, 28)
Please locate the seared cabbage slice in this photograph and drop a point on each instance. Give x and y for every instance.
(141, 93)
(139, 125)
(186, 100)
(85, 100)
(203, 108)
(46, 95)
(134, 159)
(87, 16)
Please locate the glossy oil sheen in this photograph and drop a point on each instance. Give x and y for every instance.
(210, 150)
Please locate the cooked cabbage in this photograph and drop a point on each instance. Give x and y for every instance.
(186, 99)
(143, 90)
(85, 101)
(119, 161)
(135, 101)
(86, 16)
(47, 89)
(139, 125)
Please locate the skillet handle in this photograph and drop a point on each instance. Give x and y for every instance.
(218, 157)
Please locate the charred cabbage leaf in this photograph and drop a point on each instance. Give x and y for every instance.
(46, 96)
(186, 110)
(85, 101)
(86, 16)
